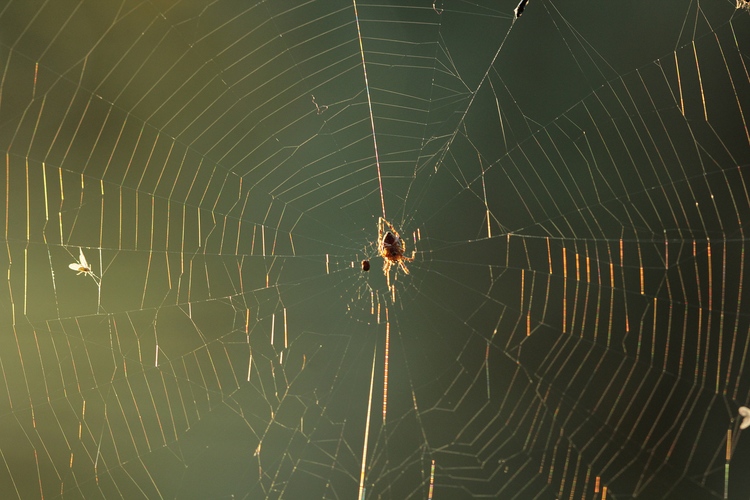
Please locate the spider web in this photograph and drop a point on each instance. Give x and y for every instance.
(573, 184)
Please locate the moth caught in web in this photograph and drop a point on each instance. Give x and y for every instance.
(744, 412)
(82, 266)
(392, 248)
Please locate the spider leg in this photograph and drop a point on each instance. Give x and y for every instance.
(403, 266)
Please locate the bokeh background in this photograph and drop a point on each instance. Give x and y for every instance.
(572, 185)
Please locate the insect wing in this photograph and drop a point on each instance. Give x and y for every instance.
(82, 259)
(75, 266)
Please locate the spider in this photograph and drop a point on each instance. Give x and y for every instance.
(391, 247)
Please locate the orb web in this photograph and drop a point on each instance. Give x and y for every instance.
(573, 183)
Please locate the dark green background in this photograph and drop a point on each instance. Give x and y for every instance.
(597, 329)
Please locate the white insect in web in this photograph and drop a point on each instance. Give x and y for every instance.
(744, 412)
(82, 266)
